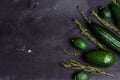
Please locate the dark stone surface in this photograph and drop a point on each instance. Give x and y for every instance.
(33, 35)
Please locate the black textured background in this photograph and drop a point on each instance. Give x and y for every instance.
(33, 35)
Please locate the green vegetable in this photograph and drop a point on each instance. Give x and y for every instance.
(100, 58)
(72, 64)
(81, 76)
(80, 44)
(115, 10)
(105, 13)
(105, 36)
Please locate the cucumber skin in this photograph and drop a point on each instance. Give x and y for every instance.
(115, 10)
(108, 38)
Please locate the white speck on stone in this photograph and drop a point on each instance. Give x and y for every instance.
(29, 51)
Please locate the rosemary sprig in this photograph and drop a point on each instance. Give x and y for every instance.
(117, 2)
(85, 32)
(72, 64)
(105, 23)
(83, 15)
(88, 35)
(76, 54)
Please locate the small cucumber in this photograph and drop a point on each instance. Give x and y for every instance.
(105, 36)
(100, 58)
(115, 10)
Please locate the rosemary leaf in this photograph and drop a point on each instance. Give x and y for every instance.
(88, 35)
(72, 64)
(105, 23)
(76, 54)
(117, 2)
(83, 15)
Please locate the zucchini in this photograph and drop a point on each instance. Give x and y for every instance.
(105, 36)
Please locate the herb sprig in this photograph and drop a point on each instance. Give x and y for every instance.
(72, 64)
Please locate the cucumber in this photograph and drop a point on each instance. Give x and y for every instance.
(105, 36)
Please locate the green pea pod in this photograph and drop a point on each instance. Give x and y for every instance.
(115, 10)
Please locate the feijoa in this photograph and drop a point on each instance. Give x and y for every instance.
(105, 12)
(80, 43)
(81, 76)
(100, 58)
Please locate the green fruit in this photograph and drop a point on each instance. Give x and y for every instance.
(81, 76)
(80, 44)
(115, 10)
(100, 58)
(105, 13)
